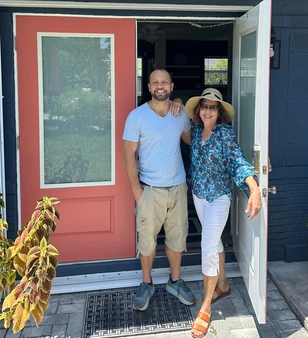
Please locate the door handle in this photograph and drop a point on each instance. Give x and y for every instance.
(271, 190)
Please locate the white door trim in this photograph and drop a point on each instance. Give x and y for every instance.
(2, 168)
(122, 6)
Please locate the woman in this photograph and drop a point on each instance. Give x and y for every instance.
(216, 160)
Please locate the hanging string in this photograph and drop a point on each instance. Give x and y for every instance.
(212, 26)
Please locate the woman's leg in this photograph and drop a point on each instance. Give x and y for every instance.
(222, 282)
(213, 217)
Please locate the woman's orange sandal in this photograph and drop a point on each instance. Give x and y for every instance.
(199, 327)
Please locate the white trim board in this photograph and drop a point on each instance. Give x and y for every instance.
(136, 17)
(114, 280)
(122, 6)
(2, 166)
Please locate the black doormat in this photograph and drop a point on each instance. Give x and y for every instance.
(110, 314)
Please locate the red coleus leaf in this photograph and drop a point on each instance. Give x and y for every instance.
(43, 243)
(24, 284)
(46, 285)
(35, 284)
(34, 251)
(33, 259)
(49, 214)
(44, 296)
(57, 214)
(36, 216)
(24, 236)
(52, 251)
(51, 273)
(40, 274)
(54, 200)
(53, 261)
(21, 296)
(40, 205)
(17, 241)
(42, 262)
(34, 297)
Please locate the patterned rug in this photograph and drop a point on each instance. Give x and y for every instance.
(110, 314)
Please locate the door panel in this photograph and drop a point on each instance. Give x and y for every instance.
(251, 57)
(73, 100)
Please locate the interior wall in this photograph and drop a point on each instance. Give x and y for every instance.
(288, 209)
(173, 52)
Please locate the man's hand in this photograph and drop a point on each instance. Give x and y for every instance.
(138, 191)
(176, 107)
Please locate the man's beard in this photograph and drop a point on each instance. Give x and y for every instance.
(162, 97)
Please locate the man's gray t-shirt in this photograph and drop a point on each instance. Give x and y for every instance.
(159, 156)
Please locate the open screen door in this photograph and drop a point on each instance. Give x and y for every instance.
(251, 59)
(76, 86)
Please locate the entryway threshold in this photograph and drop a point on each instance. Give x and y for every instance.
(103, 281)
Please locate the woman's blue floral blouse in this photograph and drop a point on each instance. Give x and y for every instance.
(216, 163)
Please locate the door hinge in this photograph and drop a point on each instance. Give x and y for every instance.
(17, 142)
(15, 43)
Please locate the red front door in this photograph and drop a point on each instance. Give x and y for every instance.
(76, 85)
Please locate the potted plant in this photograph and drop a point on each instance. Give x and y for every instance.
(34, 260)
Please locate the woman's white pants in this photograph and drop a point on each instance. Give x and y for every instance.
(213, 217)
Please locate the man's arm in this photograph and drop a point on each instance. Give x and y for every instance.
(186, 136)
(130, 149)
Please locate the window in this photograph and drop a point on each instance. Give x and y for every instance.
(76, 109)
(215, 72)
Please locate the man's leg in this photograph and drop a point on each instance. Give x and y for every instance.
(176, 230)
(176, 285)
(146, 266)
(175, 259)
(146, 290)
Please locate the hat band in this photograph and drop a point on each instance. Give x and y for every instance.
(213, 94)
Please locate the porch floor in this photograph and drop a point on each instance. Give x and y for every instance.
(233, 316)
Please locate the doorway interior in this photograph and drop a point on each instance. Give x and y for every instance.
(197, 55)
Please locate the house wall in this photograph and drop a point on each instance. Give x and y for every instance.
(288, 209)
(9, 125)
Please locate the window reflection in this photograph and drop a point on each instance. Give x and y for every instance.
(77, 117)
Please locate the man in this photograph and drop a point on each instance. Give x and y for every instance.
(156, 173)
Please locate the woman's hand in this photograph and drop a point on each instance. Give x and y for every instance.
(254, 204)
(254, 201)
(176, 107)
